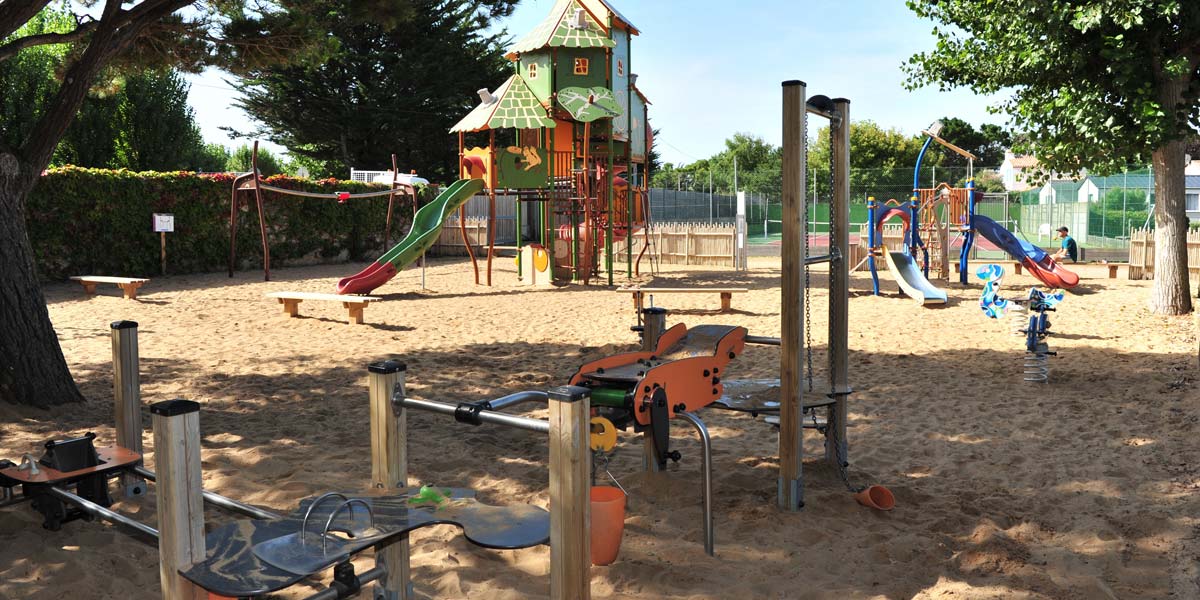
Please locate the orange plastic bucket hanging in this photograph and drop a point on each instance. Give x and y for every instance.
(608, 523)
(877, 497)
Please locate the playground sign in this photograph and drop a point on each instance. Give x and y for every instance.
(164, 223)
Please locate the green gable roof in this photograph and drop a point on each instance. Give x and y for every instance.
(514, 107)
(558, 30)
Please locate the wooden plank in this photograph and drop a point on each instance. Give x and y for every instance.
(570, 502)
(322, 297)
(389, 468)
(685, 290)
(790, 494)
(178, 492)
(107, 279)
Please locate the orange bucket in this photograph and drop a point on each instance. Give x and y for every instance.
(877, 497)
(608, 523)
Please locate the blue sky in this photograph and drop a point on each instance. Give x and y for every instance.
(713, 68)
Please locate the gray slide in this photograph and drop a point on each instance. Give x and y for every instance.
(912, 281)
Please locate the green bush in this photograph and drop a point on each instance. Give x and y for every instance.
(97, 221)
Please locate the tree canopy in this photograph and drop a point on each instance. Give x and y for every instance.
(1095, 84)
(124, 37)
(383, 90)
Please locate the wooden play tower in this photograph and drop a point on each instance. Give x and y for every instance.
(573, 147)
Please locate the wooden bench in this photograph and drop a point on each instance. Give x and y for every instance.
(128, 285)
(355, 304)
(639, 294)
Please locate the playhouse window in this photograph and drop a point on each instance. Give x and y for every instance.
(581, 66)
(620, 67)
(533, 70)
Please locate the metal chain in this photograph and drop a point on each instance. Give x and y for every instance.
(833, 236)
(807, 277)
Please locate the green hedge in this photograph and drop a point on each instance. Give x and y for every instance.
(98, 221)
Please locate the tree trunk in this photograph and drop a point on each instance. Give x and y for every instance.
(1170, 294)
(33, 370)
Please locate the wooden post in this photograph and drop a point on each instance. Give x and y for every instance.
(163, 244)
(389, 468)
(570, 500)
(836, 445)
(180, 504)
(127, 398)
(790, 492)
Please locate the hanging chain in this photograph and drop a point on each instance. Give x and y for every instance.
(833, 237)
(807, 277)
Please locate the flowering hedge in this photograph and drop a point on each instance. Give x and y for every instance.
(98, 221)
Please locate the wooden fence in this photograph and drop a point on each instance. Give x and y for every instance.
(1141, 253)
(450, 242)
(709, 244)
(893, 240)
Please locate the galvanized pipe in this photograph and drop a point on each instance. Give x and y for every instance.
(763, 340)
(96, 510)
(706, 445)
(526, 423)
(10, 499)
(515, 399)
(364, 578)
(224, 502)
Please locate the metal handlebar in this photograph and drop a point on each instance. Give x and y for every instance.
(319, 499)
(328, 522)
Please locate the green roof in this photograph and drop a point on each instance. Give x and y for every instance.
(1065, 187)
(514, 107)
(1140, 179)
(558, 30)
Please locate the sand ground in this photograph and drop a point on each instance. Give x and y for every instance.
(1088, 487)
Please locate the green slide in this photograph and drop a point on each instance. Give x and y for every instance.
(427, 225)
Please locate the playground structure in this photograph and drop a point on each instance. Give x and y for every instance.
(426, 226)
(930, 216)
(679, 370)
(273, 551)
(577, 159)
(252, 182)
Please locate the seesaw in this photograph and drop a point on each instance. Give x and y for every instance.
(249, 558)
(271, 552)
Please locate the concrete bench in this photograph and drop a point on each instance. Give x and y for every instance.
(128, 285)
(355, 304)
(639, 294)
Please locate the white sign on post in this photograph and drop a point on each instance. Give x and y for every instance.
(164, 223)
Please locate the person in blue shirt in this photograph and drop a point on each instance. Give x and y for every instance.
(1069, 248)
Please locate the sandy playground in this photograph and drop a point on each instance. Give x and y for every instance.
(1088, 487)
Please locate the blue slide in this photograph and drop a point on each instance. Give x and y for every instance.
(1036, 260)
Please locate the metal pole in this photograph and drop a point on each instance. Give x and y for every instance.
(763, 340)
(654, 323)
(706, 476)
(127, 398)
(790, 488)
(98, 511)
(366, 577)
(710, 196)
(493, 418)
(220, 501)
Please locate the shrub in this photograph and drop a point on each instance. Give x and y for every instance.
(98, 221)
